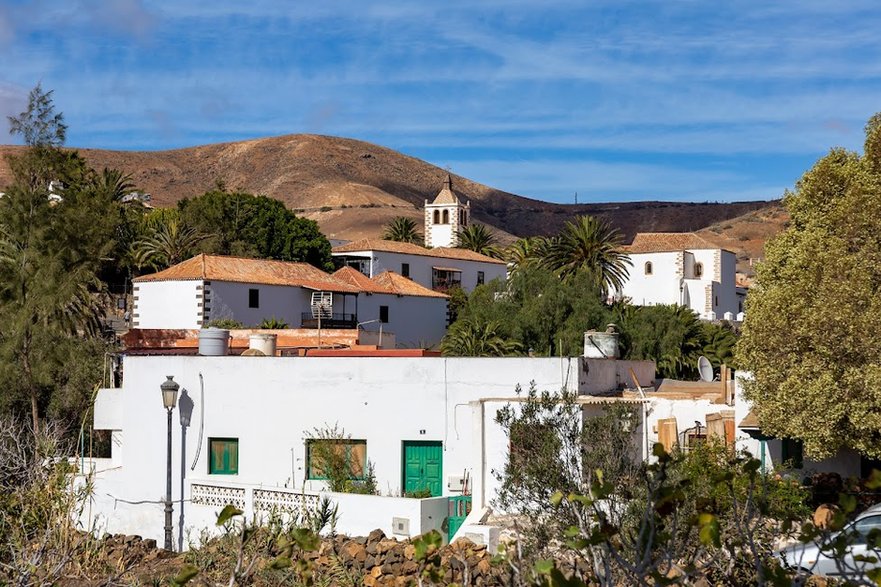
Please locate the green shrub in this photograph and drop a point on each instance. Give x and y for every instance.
(227, 323)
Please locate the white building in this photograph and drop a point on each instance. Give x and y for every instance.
(445, 216)
(438, 268)
(209, 287)
(684, 269)
(420, 421)
(392, 303)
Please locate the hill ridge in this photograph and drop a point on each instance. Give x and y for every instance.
(352, 188)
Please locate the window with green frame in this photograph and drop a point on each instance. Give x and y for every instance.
(223, 456)
(345, 454)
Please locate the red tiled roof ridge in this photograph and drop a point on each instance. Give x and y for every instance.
(369, 244)
(659, 242)
(401, 285)
(237, 269)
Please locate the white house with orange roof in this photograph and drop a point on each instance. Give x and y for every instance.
(437, 268)
(191, 294)
(685, 269)
(392, 303)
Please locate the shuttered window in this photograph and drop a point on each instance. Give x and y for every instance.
(223, 456)
(353, 453)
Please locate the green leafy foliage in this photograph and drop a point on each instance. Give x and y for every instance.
(273, 323)
(226, 323)
(535, 310)
(39, 125)
(402, 229)
(810, 334)
(242, 224)
(589, 245)
(51, 254)
(478, 238)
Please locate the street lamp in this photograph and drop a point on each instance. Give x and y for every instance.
(169, 399)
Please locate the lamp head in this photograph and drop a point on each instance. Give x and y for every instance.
(169, 392)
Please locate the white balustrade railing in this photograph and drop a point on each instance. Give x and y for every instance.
(216, 495)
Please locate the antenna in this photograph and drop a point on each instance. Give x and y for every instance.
(705, 368)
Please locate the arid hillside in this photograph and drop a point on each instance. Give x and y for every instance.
(746, 235)
(352, 188)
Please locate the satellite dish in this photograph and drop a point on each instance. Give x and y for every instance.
(705, 368)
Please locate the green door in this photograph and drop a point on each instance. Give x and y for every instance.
(423, 466)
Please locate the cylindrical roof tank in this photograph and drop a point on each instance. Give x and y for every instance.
(213, 342)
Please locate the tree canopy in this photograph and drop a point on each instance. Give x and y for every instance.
(478, 238)
(402, 229)
(536, 310)
(811, 334)
(239, 223)
(51, 252)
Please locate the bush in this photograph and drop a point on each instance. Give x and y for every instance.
(227, 323)
(273, 323)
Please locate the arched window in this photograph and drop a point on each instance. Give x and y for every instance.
(437, 216)
(446, 217)
(698, 270)
(648, 267)
(464, 217)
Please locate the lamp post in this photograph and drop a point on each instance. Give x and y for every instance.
(169, 399)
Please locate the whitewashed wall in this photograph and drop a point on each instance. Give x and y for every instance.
(230, 300)
(271, 404)
(357, 515)
(661, 287)
(167, 304)
(418, 322)
(420, 267)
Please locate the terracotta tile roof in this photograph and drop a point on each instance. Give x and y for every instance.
(244, 270)
(403, 286)
(661, 242)
(357, 279)
(387, 282)
(371, 244)
(447, 195)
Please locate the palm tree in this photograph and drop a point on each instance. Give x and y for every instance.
(469, 338)
(170, 243)
(588, 243)
(525, 252)
(402, 229)
(114, 183)
(477, 238)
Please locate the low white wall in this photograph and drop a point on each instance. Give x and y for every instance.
(357, 515)
(167, 304)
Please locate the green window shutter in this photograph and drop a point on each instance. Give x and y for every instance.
(355, 452)
(223, 456)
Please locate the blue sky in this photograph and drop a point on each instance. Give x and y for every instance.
(615, 100)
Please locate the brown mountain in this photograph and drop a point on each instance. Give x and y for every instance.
(353, 188)
(746, 235)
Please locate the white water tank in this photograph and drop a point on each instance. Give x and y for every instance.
(601, 345)
(728, 316)
(213, 342)
(265, 343)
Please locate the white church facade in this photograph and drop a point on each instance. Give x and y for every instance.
(684, 269)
